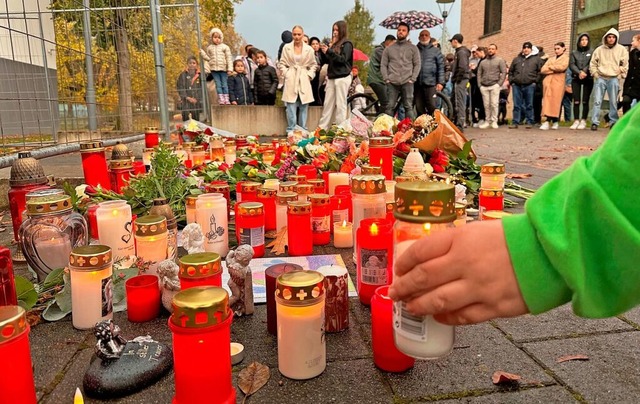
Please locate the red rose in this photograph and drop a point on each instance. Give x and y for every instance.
(404, 124)
(253, 163)
(439, 160)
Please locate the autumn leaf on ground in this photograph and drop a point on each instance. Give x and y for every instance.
(271, 234)
(578, 357)
(515, 175)
(34, 317)
(252, 378)
(500, 377)
(278, 245)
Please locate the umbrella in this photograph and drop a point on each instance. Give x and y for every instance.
(415, 20)
(359, 55)
(627, 36)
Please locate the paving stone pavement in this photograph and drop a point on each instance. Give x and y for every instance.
(528, 346)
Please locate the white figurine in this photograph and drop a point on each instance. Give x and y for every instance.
(169, 282)
(241, 281)
(193, 238)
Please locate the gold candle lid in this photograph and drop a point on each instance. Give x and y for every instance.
(197, 148)
(422, 202)
(43, 205)
(121, 164)
(299, 208)
(120, 152)
(492, 168)
(90, 257)
(150, 225)
(13, 322)
(267, 192)
(288, 186)
(317, 182)
(200, 265)
(319, 199)
(188, 145)
(368, 184)
(190, 200)
(229, 143)
(250, 208)
(26, 171)
(218, 188)
(300, 288)
(249, 186)
(461, 209)
(380, 141)
(492, 193)
(148, 150)
(95, 145)
(403, 178)
(200, 307)
(304, 189)
(371, 170)
(283, 197)
(300, 179)
(151, 129)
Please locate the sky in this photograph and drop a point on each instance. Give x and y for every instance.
(261, 22)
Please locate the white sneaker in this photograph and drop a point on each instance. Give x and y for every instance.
(582, 125)
(545, 126)
(555, 126)
(476, 125)
(483, 125)
(575, 125)
(494, 125)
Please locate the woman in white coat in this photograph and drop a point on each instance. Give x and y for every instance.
(298, 67)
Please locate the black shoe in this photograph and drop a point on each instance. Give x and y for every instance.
(594, 126)
(529, 126)
(513, 126)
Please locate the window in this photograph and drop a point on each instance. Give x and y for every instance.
(492, 16)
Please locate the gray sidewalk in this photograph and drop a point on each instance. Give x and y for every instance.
(527, 346)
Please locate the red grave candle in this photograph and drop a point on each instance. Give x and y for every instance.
(490, 199)
(143, 298)
(248, 191)
(151, 136)
(381, 154)
(201, 329)
(299, 218)
(318, 186)
(121, 171)
(250, 226)
(7, 281)
(16, 383)
(94, 164)
(267, 197)
(310, 172)
(320, 219)
(270, 276)
(374, 261)
(139, 168)
(385, 354)
(200, 269)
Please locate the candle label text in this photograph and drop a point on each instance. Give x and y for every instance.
(408, 325)
(373, 266)
(254, 236)
(320, 224)
(107, 296)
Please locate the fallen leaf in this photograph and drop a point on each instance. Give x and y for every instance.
(577, 357)
(34, 317)
(252, 378)
(500, 377)
(271, 234)
(523, 175)
(559, 138)
(278, 245)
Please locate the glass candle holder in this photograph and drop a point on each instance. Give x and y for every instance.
(268, 156)
(374, 263)
(336, 286)
(200, 269)
(300, 304)
(115, 227)
(267, 197)
(216, 148)
(221, 187)
(91, 272)
(282, 199)
(151, 136)
(7, 281)
(300, 241)
(230, 152)
(49, 233)
(270, 276)
(318, 185)
(197, 155)
(492, 176)
(241, 141)
(143, 298)
(368, 199)
(151, 240)
(304, 191)
(385, 354)
(201, 330)
(190, 208)
(250, 226)
(27, 175)
(340, 207)
(272, 183)
(94, 164)
(16, 383)
(343, 234)
(320, 219)
(490, 199)
(288, 186)
(423, 208)
(309, 171)
(161, 207)
(212, 216)
(335, 179)
(381, 154)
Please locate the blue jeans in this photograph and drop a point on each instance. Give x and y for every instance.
(523, 102)
(611, 86)
(567, 102)
(221, 82)
(400, 90)
(293, 118)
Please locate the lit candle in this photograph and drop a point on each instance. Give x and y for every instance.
(374, 257)
(211, 215)
(230, 152)
(336, 179)
(197, 155)
(190, 208)
(216, 148)
(343, 234)
(272, 183)
(53, 251)
(91, 285)
(115, 227)
(143, 298)
(200, 269)
(16, 383)
(381, 154)
(151, 240)
(492, 176)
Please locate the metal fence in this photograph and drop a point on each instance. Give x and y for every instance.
(77, 69)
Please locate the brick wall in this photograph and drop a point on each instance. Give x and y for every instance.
(629, 15)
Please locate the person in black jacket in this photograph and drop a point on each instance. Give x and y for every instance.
(631, 88)
(339, 55)
(190, 90)
(431, 77)
(581, 80)
(265, 81)
(460, 78)
(240, 92)
(523, 76)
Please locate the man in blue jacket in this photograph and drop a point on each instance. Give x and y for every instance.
(431, 76)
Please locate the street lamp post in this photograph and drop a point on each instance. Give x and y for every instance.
(445, 7)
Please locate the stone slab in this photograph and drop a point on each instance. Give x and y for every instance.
(633, 315)
(542, 395)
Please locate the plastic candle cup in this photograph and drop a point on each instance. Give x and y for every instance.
(151, 240)
(320, 219)
(340, 205)
(115, 227)
(27, 175)
(121, 167)
(91, 285)
(336, 288)
(143, 298)
(16, 383)
(304, 191)
(190, 208)
(282, 199)
(492, 176)
(318, 185)
(249, 191)
(229, 152)
(201, 330)
(94, 164)
(197, 155)
(368, 199)
(336, 179)
(200, 269)
(181, 153)
(270, 276)
(374, 262)
(300, 179)
(151, 136)
(147, 155)
(7, 281)
(381, 154)
(267, 197)
(490, 199)
(272, 183)
(250, 226)
(343, 234)
(216, 148)
(308, 170)
(288, 186)
(212, 216)
(300, 241)
(268, 156)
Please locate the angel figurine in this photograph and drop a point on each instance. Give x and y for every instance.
(193, 238)
(241, 281)
(110, 343)
(169, 282)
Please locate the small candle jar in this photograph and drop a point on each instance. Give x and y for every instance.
(300, 303)
(241, 141)
(288, 186)
(368, 199)
(381, 154)
(212, 216)
(300, 179)
(403, 178)
(221, 187)
(270, 276)
(309, 171)
(16, 383)
(272, 183)
(187, 146)
(391, 209)
(282, 199)
(197, 155)
(374, 263)
(94, 164)
(490, 199)
(7, 281)
(267, 197)
(190, 208)
(151, 240)
(318, 186)
(335, 179)
(151, 136)
(423, 208)
(229, 152)
(121, 167)
(161, 207)
(216, 147)
(248, 191)
(336, 287)
(268, 156)
(91, 285)
(385, 354)
(143, 298)
(461, 214)
(340, 205)
(343, 234)
(201, 330)
(492, 176)
(300, 241)
(250, 226)
(26, 175)
(115, 227)
(320, 219)
(304, 191)
(200, 269)
(49, 233)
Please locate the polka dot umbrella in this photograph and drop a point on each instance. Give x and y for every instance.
(415, 19)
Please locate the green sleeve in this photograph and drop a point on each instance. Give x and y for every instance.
(579, 238)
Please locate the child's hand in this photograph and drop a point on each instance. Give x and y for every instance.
(230, 73)
(234, 103)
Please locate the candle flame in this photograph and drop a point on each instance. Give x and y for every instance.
(344, 223)
(77, 398)
(114, 212)
(380, 162)
(427, 228)
(374, 229)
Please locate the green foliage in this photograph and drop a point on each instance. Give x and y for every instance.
(361, 32)
(26, 292)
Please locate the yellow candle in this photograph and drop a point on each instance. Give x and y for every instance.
(343, 234)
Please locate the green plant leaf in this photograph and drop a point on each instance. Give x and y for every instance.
(55, 278)
(63, 298)
(53, 312)
(26, 291)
